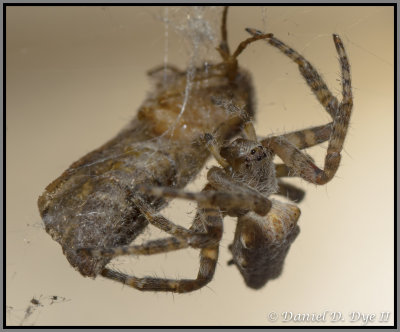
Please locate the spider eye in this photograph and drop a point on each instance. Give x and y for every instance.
(253, 151)
(259, 158)
(260, 146)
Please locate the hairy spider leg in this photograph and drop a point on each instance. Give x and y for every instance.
(208, 261)
(290, 191)
(228, 194)
(300, 163)
(205, 233)
(148, 248)
(303, 139)
(310, 74)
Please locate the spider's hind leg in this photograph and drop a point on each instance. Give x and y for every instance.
(148, 248)
(208, 261)
(205, 233)
(287, 150)
(157, 220)
(290, 191)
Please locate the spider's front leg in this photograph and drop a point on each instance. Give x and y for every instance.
(288, 147)
(230, 196)
(310, 74)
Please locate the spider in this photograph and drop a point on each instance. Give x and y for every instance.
(241, 187)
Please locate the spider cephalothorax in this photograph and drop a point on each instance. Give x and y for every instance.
(251, 163)
(245, 153)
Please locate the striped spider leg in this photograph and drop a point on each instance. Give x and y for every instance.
(205, 234)
(289, 151)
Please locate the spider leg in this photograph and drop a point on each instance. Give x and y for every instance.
(227, 201)
(208, 215)
(239, 119)
(313, 79)
(309, 137)
(240, 113)
(205, 230)
(157, 220)
(208, 261)
(205, 233)
(208, 219)
(302, 139)
(291, 192)
(214, 147)
(242, 197)
(228, 128)
(300, 163)
(282, 170)
(229, 195)
(147, 248)
(207, 226)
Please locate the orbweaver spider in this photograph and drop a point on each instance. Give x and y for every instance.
(241, 187)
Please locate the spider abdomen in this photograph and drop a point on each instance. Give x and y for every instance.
(262, 243)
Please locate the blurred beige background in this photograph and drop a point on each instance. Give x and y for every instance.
(76, 76)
